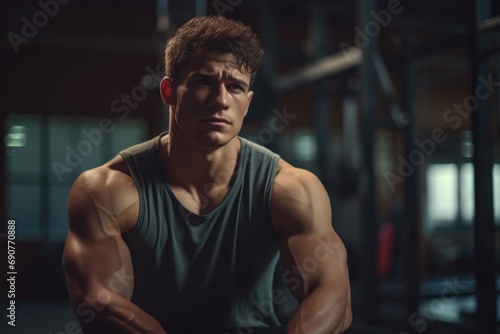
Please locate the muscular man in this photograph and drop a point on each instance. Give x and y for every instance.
(182, 234)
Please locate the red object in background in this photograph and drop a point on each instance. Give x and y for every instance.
(385, 248)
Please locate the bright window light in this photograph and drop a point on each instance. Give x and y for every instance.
(16, 137)
(496, 192)
(305, 147)
(467, 192)
(443, 202)
(442, 194)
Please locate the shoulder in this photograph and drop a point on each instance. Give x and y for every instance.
(299, 199)
(105, 191)
(259, 151)
(288, 176)
(103, 180)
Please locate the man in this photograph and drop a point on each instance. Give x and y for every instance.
(182, 234)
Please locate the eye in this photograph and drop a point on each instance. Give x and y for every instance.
(235, 88)
(203, 82)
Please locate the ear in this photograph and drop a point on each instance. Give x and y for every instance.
(167, 90)
(249, 96)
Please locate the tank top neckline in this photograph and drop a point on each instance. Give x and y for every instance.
(231, 193)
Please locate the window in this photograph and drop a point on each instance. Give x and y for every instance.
(44, 157)
(450, 195)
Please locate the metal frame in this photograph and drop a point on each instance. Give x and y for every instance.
(411, 228)
(320, 68)
(368, 110)
(372, 69)
(484, 225)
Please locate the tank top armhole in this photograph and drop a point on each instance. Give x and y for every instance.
(132, 156)
(140, 216)
(270, 184)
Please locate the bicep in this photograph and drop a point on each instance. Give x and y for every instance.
(95, 256)
(97, 265)
(310, 248)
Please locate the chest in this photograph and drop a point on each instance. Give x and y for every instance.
(201, 201)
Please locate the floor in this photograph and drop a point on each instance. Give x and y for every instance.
(435, 316)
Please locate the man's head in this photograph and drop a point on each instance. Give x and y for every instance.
(215, 33)
(210, 63)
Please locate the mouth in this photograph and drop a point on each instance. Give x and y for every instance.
(217, 121)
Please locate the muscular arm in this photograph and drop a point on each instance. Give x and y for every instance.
(309, 246)
(98, 266)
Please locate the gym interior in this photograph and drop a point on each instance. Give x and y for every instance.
(393, 104)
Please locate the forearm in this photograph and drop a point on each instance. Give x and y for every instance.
(321, 312)
(111, 313)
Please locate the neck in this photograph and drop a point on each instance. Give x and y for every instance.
(196, 167)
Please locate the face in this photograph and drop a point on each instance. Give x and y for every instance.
(209, 100)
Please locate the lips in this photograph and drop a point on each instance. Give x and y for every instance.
(217, 120)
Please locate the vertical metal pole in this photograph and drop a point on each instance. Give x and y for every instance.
(496, 44)
(44, 180)
(161, 7)
(350, 130)
(347, 208)
(322, 106)
(270, 45)
(269, 41)
(411, 226)
(201, 7)
(3, 132)
(368, 103)
(3, 172)
(162, 16)
(3, 150)
(482, 134)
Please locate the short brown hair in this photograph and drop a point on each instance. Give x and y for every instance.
(217, 33)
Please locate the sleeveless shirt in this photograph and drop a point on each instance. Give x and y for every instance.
(212, 271)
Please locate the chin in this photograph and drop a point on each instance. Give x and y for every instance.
(217, 139)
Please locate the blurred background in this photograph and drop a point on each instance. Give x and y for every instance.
(393, 104)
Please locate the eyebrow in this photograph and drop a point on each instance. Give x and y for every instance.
(240, 82)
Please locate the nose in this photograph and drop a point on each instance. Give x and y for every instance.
(218, 99)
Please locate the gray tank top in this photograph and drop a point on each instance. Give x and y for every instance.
(211, 271)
